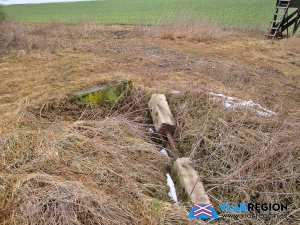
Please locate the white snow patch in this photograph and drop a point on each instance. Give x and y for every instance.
(164, 152)
(151, 130)
(172, 192)
(175, 92)
(233, 103)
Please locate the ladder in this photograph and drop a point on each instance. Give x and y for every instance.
(280, 15)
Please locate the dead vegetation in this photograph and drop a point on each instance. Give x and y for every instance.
(62, 162)
(3, 15)
(241, 156)
(197, 31)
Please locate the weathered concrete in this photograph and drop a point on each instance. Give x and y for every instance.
(104, 95)
(163, 120)
(161, 114)
(187, 182)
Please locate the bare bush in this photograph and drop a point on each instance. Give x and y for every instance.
(3, 15)
(187, 27)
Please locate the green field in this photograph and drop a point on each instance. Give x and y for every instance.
(231, 13)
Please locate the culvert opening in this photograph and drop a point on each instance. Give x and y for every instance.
(133, 106)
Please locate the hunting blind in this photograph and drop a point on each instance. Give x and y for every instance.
(287, 14)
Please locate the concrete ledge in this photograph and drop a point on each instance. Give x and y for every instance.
(187, 182)
(161, 114)
(104, 95)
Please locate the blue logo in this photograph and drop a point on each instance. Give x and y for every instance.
(203, 211)
(242, 207)
(251, 207)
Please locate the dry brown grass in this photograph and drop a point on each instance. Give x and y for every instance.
(195, 30)
(91, 172)
(292, 44)
(62, 162)
(101, 169)
(28, 37)
(241, 156)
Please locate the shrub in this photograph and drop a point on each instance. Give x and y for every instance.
(2, 14)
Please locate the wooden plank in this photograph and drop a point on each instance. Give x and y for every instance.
(294, 4)
(163, 119)
(187, 182)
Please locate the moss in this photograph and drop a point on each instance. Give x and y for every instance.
(156, 205)
(105, 95)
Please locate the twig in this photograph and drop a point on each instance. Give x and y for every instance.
(288, 216)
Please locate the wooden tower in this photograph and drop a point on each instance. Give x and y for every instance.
(287, 14)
